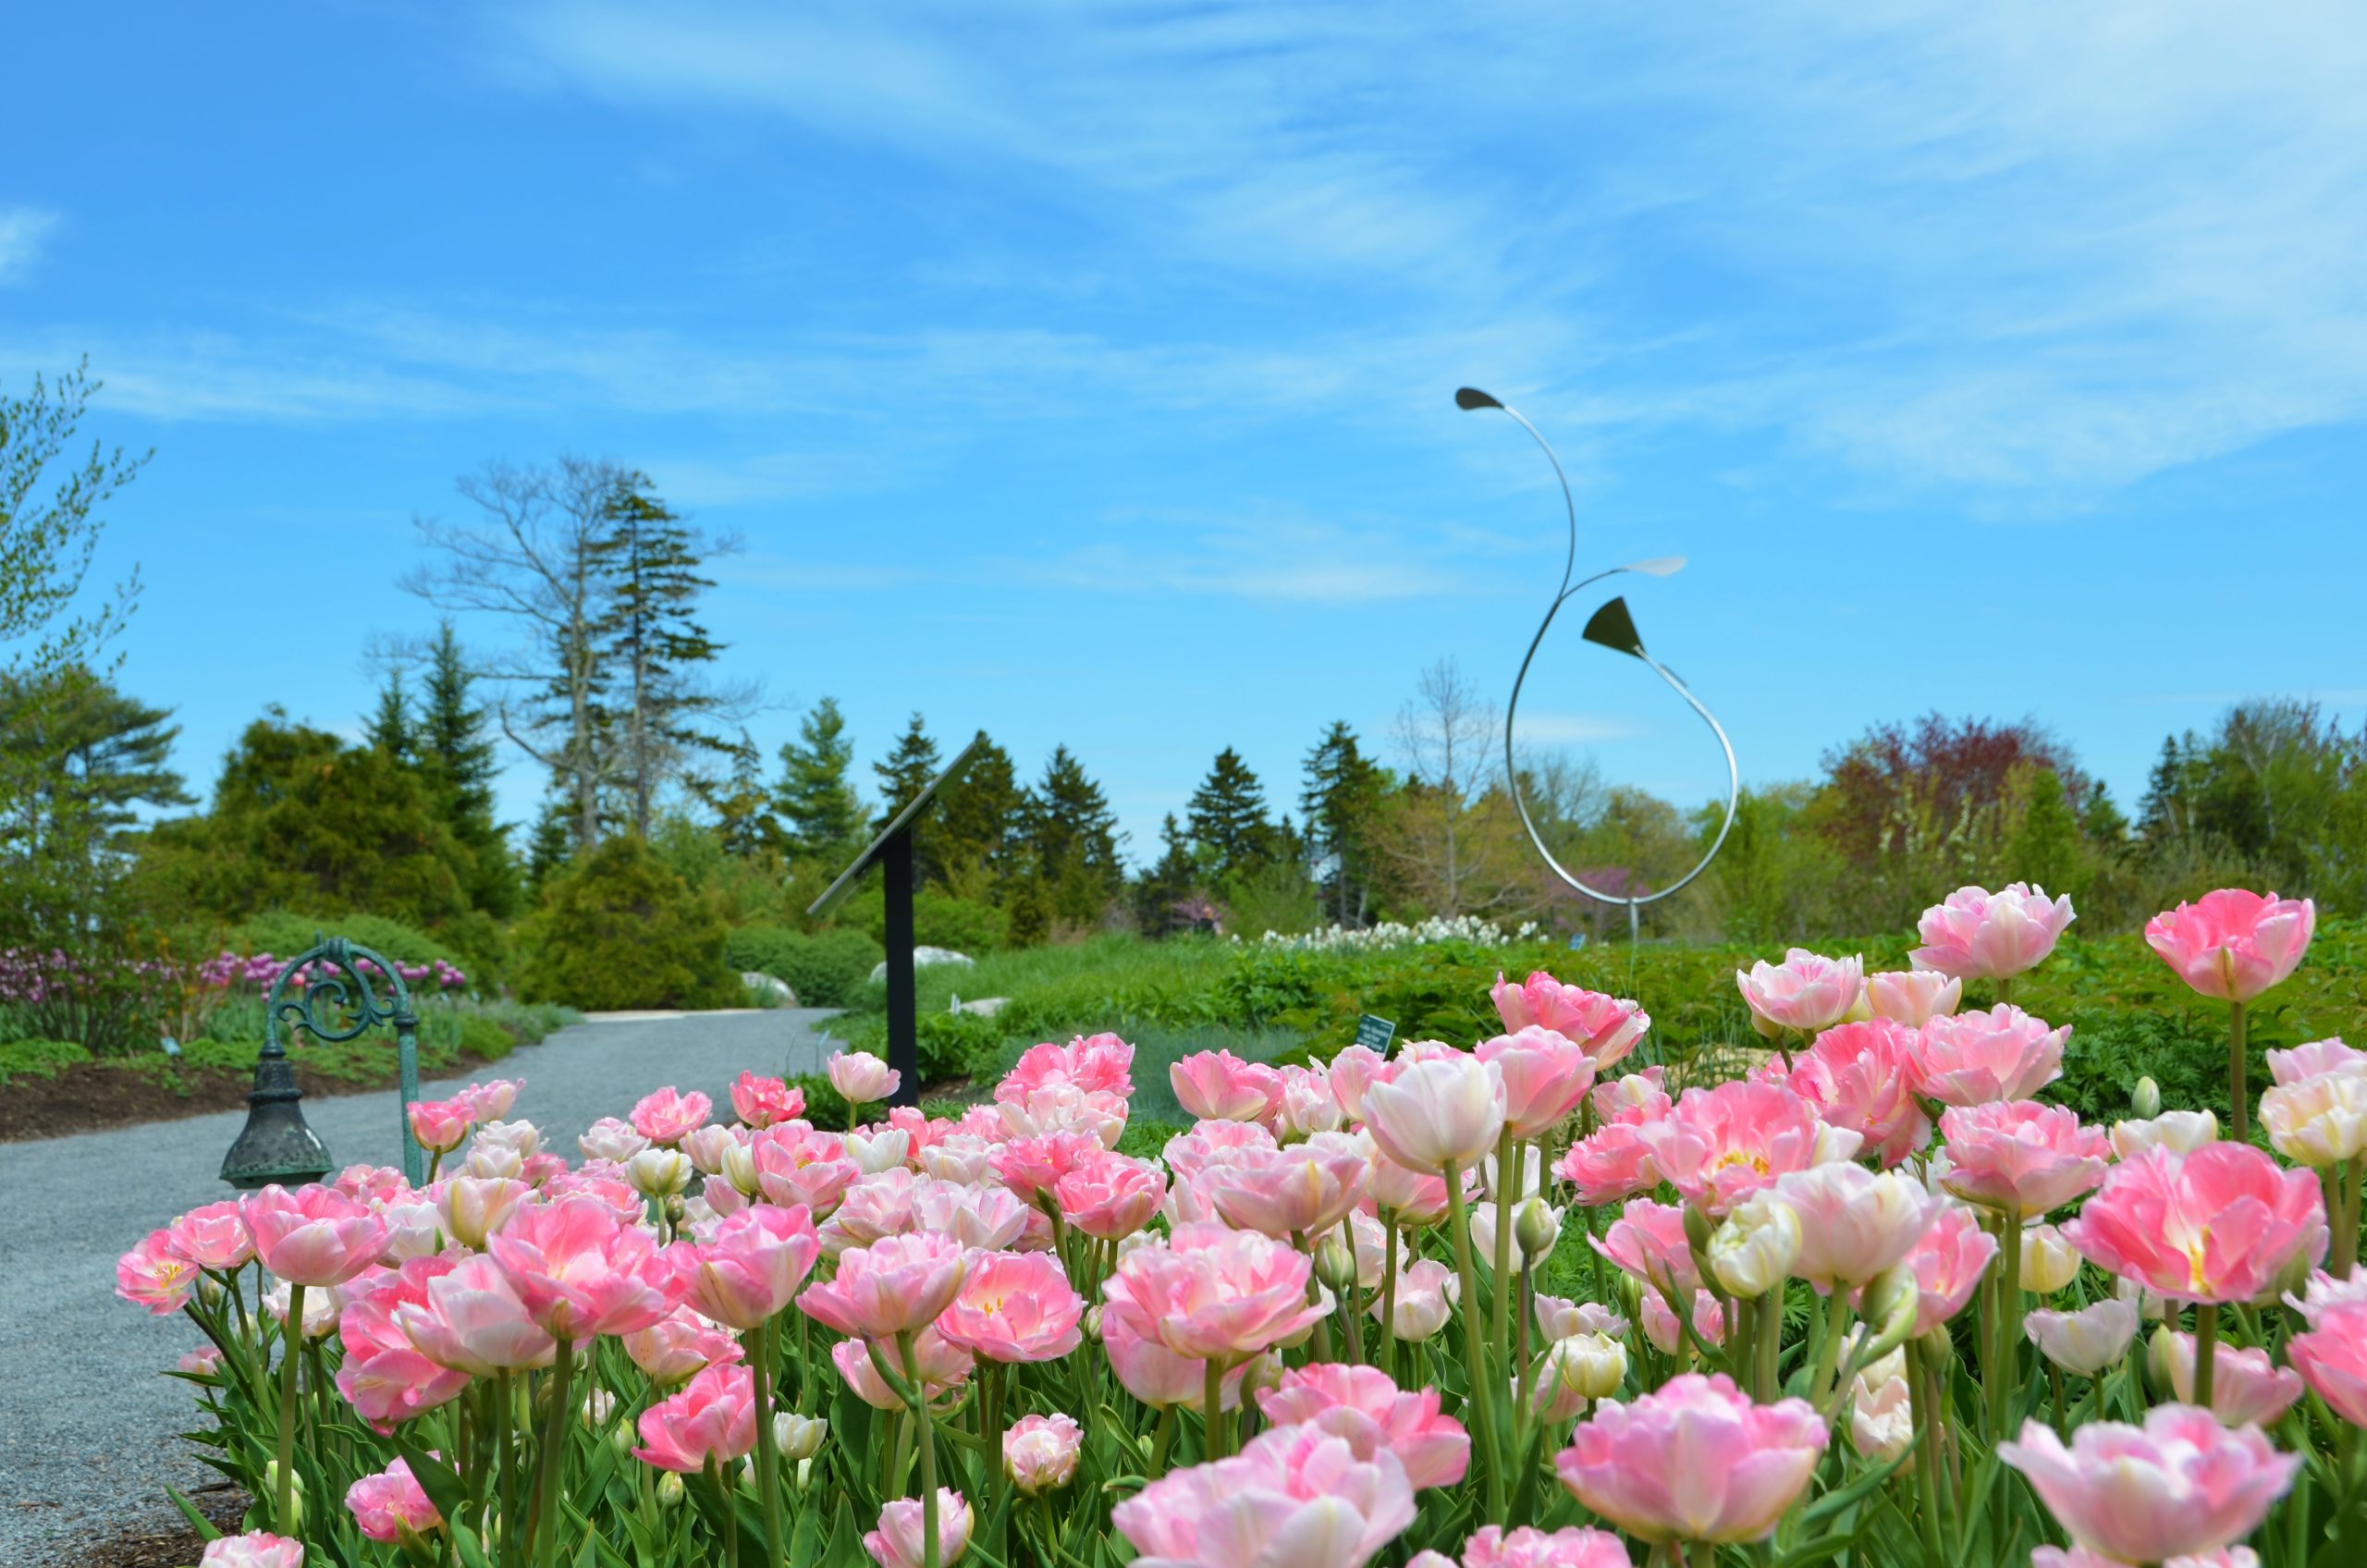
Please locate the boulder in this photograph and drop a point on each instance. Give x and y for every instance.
(922, 959)
(771, 985)
(982, 1007)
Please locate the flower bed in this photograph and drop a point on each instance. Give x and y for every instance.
(1878, 1302)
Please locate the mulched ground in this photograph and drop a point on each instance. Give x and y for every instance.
(89, 1097)
(165, 1545)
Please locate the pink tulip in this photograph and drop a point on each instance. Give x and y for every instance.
(1561, 1319)
(1415, 1199)
(1110, 1196)
(1977, 935)
(1351, 1073)
(314, 1235)
(1309, 1106)
(2332, 1357)
(957, 1156)
(2318, 1056)
(944, 1366)
(491, 1101)
(388, 1505)
(1948, 1261)
(1295, 1497)
(900, 1540)
(1861, 1077)
(990, 1219)
(205, 1361)
(1040, 1452)
(878, 1204)
(2220, 1224)
(1063, 1107)
(371, 1184)
(1220, 1086)
(1014, 1307)
(1854, 1224)
(1212, 1294)
(668, 1115)
(1304, 1190)
(214, 1237)
(470, 1209)
(2080, 1557)
(889, 1287)
(472, 1319)
(1426, 1294)
(1156, 1375)
(2022, 1157)
(1612, 1163)
(1032, 1168)
(441, 1126)
(1545, 1076)
(1720, 1146)
(1978, 1058)
(1363, 1405)
(680, 1346)
(155, 1276)
(256, 1548)
(1605, 1028)
(1666, 1334)
(714, 1419)
(2233, 944)
(749, 1270)
(1913, 997)
(797, 1166)
(1804, 994)
(759, 1102)
(1696, 1460)
(2180, 1484)
(1648, 1242)
(1102, 1064)
(862, 1078)
(384, 1376)
(581, 1273)
(2246, 1388)
(1493, 1546)
(2088, 1340)
(1212, 1142)
(611, 1140)
(1431, 1114)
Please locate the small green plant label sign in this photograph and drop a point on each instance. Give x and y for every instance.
(1375, 1033)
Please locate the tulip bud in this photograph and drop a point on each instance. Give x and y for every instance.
(1755, 1249)
(1894, 1292)
(2049, 1263)
(1092, 1324)
(799, 1436)
(669, 1488)
(1938, 1348)
(598, 1406)
(1699, 1228)
(1594, 1364)
(1535, 1228)
(658, 1172)
(621, 1440)
(1265, 1371)
(2157, 1364)
(740, 1169)
(1335, 1264)
(2146, 1101)
(295, 1493)
(1631, 1293)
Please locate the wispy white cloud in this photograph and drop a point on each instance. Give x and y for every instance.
(1280, 559)
(23, 232)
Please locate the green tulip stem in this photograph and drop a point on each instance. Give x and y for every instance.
(1476, 1369)
(291, 1335)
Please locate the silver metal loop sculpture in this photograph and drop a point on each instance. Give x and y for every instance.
(1611, 627)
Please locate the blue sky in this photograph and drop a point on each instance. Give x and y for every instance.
(1085, 372)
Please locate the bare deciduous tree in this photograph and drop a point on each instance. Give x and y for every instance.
(1454, 842)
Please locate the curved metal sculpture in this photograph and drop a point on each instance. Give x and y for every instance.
(278, 1144)
(1611, 627)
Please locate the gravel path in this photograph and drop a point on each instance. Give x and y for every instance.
(86, 1426)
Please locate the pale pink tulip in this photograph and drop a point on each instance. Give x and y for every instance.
(1605, 1028)
(1559, 1319)
(1854, 1224)
(1039, 1453)
(1913, 997)
(877, 1205)
(1861, 1077)
(1427, 1293)
(944, 1366)
(862, 1078)
(1295, 1497)
(2180, 1132)
(2087, 1341)
(957, 1156)
(2080, 1557)
(1102, 1064)
(1978, 1058)
(155, 1276)
(1303, 1190)
(1666, 1334)
(1309, 1105)
(983, 1217)
(1648, 1241)
(1014, 1307)
(2319, 1121)
(1977, 935)
(1220, 1086)
(2233, 944)
(1110, 1196)
(1948, 1261)
(759, 1102)
(900, 1540)
(388, 1505)
(472, 1319)
(1720, 1146)
(1803, 994)
(796, 1165)
(2246, 1388)
(473, 1207)
(1212, 1294)
(371, 1184)
(1492, 1545)
(205, 1361)
(215, 1236)
(1545, 1075)
(1032, 1168)
(612, 1140)
(1362, 1405)
(1612, 1163)
(582, 1273)
(712, 1420)
(2022, 1157)
(1695, 1461)
(668, 1115)
(2220, 1224)
(2181, 1483)
(2329, 1055)
(749, 1270)
(2332, 1356)
(2323, 1292)
(321, 1308)
(889, 1287)
(1156, 1375)
(1446, 1111)
(384, 1376)
(1212, 1142)
(441, 1126)
(256, 1548)
(491, 1101)
(314, 1235)
(678, 1347)
(1063, 1107)
(1351, 1073)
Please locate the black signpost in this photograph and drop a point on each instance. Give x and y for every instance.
(892, 852)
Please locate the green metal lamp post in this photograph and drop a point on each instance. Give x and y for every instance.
(336, 1002)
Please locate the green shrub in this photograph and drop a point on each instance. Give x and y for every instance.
(825, 1106)
(284, 933)
(825, 969)
(939, 920)
(480, 1035)
(619, 929)
(1144, 1137)
(38, 1058)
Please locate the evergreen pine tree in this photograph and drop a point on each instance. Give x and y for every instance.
(1226, 818)
(744, 824)
(1341, 802)
(1166, 883)
(908, 768)
(391, 727)
(456, 753)
(2045, 847)
(815, 797)
(1073, 838)
(2165, 813)
(2102, 821)
(551, 847)
(975, 821)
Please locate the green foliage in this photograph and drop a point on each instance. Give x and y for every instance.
(1226, 819)
(37, 1059)
(825, 968)
(953, 1047)
(970, 926)
(619, 929)
(1144, 1137)
(284, 933)
(815, 797)
(825, 1106)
